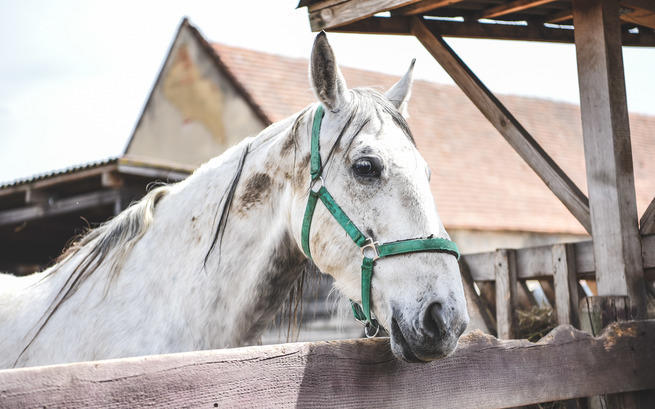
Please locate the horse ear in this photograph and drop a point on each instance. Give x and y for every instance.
(400, 92)
(329, 86)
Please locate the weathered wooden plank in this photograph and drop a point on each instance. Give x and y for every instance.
(647, 221)
(423, 6)
(511, 7)
(597, 312)
(508, 126)
(481, 266)
(608, 152)
(351, 11)
(56, 207)
(484, 372)
(468, 29)
(506, 300)
(565, 282)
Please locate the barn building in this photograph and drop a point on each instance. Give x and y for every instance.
(209, 96)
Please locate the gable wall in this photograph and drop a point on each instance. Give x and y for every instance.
(194, 112)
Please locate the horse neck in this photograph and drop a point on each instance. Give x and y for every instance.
(250, 271)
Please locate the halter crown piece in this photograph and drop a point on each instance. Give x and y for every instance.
(371, 250)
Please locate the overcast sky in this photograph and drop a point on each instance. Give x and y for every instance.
(74, 75)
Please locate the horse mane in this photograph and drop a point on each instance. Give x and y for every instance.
(119, 234)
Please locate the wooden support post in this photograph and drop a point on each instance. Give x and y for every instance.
(508, 126)
(505, 271)
(608, 154)
(566, 290)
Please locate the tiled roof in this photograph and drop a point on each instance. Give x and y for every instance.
(479, 182)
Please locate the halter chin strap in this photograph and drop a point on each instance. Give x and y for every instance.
(371, 250)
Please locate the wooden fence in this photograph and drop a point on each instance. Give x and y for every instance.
(484, 372)
(500, 277)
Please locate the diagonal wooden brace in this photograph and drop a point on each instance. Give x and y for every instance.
(508, 126)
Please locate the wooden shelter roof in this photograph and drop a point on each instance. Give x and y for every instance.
(530, 20)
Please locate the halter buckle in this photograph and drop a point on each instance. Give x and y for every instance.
(314, 186)
(370, 249)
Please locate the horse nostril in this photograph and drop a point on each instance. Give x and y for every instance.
(434, 321)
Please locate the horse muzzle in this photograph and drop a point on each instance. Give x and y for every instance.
(431, 335)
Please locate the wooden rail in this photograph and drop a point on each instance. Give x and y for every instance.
(537, 262)
(484, 372)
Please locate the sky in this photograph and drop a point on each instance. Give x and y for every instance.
(74, 75)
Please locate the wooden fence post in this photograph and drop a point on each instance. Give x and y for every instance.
(505, 271)
(565, 281)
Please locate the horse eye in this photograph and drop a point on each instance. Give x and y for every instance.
(367, 167)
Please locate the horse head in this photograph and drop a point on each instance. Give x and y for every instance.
(372, 171)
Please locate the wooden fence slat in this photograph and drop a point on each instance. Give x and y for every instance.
(484, 372)
(565, 282)
(506, 300)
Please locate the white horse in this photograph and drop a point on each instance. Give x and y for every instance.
(207, 262)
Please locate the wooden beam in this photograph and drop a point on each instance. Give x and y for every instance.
(469, 29)
(506, 300)
(608, 152)
(151, 172)
(511, 7)
(423, 7)
(57, 207)
(350, 11)
(483, 373)
(647, 221)
(559, 17)
(548, 289)
(508, 126)
(479, 315)
(566, 284)
(642, 12)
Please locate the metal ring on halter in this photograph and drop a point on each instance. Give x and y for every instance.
(368, 325)
(371, 247)
(313, 184)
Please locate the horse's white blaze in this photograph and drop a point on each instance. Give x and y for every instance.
(164, 297)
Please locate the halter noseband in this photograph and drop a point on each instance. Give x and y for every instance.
(371, 250)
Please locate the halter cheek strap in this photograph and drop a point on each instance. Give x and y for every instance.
(371, 250)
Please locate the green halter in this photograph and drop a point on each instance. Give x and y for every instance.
(371, 250)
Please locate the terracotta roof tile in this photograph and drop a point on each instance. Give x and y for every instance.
(478, 181)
